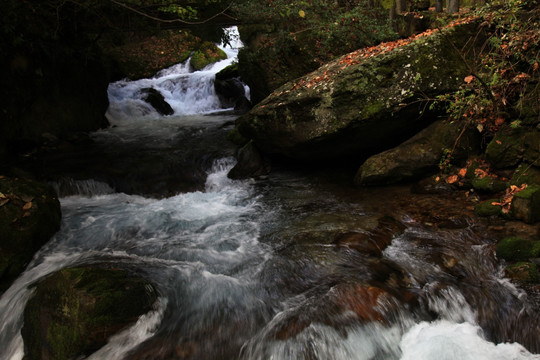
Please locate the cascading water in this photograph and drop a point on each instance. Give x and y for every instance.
(250, 270)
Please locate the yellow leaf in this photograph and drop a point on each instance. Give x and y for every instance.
(302, 13)
(27, 206)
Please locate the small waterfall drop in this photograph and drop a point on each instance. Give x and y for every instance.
(188, 92)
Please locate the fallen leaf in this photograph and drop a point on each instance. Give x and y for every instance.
(3, 202)
(452, 179)
(463, 172)
(469, 79)
(27, 206)
(498, 142)
(499, 121)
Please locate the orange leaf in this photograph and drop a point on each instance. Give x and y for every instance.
(469, 79)
(463, 172)
(499, 121)
(452, 179)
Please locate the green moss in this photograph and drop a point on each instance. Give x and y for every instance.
(75, 311)
(486, 208)
(525, 174)
(516, 249)
(528, 192)
(488, 184)
(207, 54)
(506, 149)
(373, 108)
(525, 272)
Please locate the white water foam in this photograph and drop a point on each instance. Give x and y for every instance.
(444, 340)
(188, 92)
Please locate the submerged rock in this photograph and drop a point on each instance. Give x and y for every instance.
(250, 163)
(356, 105)
(73, 312)
(29, 217)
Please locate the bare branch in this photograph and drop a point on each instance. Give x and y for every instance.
(174, 20)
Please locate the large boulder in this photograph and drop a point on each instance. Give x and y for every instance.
(74, 311)
(361, 103)
(29, 216)
(157, 100)
(420, 155)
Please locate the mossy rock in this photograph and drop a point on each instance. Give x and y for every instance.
(486, 208)
(73, 312)
(506, 149)
(526, 205)
(208, 53)
(29, 216)
(230, 72)
(488, 184)
(517, 249)
(525, 174)
(523, 272)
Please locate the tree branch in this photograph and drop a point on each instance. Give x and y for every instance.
(174, 20)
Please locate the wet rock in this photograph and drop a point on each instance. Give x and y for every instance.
(510, 146)
(432, 185)
(73, 312)
(250, 163)
(488, 184)
(156, 99)
(526, 205)
(229, 91)
(29, 217)
(371, 243)
(242, 105)
(420, 155)
(523, 272)
(517, 249)
(486, 208)
(525, 174)
(359, 106)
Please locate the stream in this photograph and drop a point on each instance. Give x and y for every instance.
(266, 268)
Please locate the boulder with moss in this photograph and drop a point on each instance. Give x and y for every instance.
(517, 249)
(207, 53)
(512, 145)
(420, 155)
(358, 105)
(526, 205)
(73, 312)
(29, 217)
(486, 208)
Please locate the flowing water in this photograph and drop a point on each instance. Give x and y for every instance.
(250, 269)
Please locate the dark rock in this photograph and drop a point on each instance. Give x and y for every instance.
(243, 105)
(29, 217)
(488, 184)
(229, 91)
(420, 155)
(357, 106)
(523, 272)
(156, 99)
(432, 185)
(525, 174)
(73, 312)
(250, 163)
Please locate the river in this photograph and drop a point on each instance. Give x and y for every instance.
(261, 269)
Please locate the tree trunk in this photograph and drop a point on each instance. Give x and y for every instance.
(400, 6)
(438, 6)
(452, 6)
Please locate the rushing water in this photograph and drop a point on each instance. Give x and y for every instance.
(250, 270)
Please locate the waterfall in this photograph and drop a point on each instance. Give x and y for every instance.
(188, 92)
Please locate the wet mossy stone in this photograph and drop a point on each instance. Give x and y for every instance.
(207, 54)
(526, 205)
(523, 272)
(29, 216)
(356, 105)
(525, 174)
(74, 311)
(506, 148)
(488, 184)
(486, 208)
(517, 249)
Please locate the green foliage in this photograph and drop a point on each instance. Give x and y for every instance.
(319, 28)
(499, 87)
